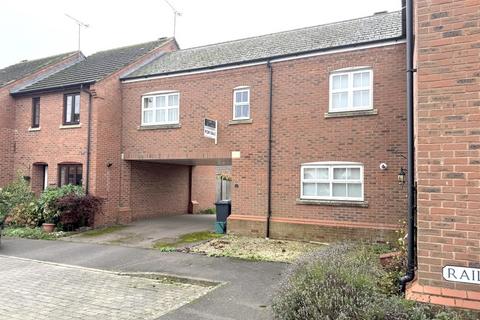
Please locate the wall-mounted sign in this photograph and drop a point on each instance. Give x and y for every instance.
(461, 274)
(210, 129)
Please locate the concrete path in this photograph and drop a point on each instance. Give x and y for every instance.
(246, 293)
(144, 233)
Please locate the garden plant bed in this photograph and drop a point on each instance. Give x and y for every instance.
(33, 233)
(258, 249)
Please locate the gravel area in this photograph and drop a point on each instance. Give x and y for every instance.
(255, 248)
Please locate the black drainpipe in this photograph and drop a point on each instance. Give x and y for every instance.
(270, 111)
(89, 138)
(410, 274)
(190, 180)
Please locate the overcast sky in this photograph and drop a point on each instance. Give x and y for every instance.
(33, 29)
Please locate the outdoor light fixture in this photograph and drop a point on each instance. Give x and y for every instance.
(401, 176)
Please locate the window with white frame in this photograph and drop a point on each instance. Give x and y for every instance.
(241, 103)
(351, 90)
(160, 109)
(332, 181)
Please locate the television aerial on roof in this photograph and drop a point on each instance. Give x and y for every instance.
(175, 14)
(80, 25)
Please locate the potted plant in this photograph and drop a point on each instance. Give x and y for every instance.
(49, 217)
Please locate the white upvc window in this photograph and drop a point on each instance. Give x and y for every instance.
(158, 109)
(351, 90)
(241, 103)
(332, 181)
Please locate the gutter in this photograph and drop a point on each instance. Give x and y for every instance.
(52, 89)
(264, 60)
(410, 272)
(89, 139)
(270, 113)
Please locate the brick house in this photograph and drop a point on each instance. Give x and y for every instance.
(12, 78)
(67, 124)
(335, 95)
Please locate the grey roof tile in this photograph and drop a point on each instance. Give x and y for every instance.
(95, 67)
(339, 34)
(25, 68)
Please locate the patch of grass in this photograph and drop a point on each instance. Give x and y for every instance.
(209, 211)
(102, 231)
(199, 236)
(33, 233)
(185, 239)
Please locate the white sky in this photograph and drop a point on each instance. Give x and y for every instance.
(33, 29)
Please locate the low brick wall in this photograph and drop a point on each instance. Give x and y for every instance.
(444, 296)
(311, 230)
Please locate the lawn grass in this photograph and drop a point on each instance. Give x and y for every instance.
(184, 239)
(102, 231)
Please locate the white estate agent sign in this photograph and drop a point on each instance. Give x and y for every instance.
(461, 274)
(210, 129)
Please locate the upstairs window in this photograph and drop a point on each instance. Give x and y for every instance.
(35, 113)
(241, 103)
(332, 181)
(160, 109)
(70, 174)
(71, 109)
(351, 90)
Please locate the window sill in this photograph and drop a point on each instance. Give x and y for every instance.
(34, 129)
(357, 113)
(70, 126)
(334, 203)
(242, 121)
(160, 126)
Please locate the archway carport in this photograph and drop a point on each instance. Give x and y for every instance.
(165, 187)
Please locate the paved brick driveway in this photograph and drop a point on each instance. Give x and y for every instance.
(37, 290)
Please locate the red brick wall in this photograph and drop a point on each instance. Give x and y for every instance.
(51, 144)
(203, 186)
(7, 117)
(448, 148)
(301, 134)
(158, 189)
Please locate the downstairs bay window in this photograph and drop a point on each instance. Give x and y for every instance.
(332, 181)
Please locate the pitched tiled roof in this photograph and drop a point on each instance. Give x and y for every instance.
(20, 70)
(378, 27)
(95, 67)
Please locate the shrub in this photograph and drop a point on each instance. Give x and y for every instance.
(334, 283)
(77, 210)
(48, 209)
(16, 194)
(24, 215)
(344, 281)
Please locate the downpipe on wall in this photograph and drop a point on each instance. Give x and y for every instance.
(410, 272)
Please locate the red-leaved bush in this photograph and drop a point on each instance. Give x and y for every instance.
(78, 210)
